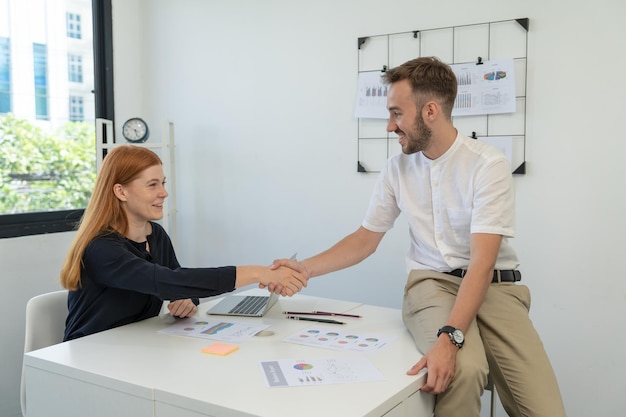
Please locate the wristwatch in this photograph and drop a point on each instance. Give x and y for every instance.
(456, 335)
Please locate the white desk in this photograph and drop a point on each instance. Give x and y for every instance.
(135, 371)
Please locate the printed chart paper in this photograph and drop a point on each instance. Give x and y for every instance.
(319, 371)
(371, 100)
(488, 88)
(224, 330)
(503, 143)
(332, 338)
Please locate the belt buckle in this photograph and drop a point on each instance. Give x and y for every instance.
(497, 276)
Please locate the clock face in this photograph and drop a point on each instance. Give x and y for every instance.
(135, 130)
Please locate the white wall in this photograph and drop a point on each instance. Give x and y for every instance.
(262, 96)
(30, 266)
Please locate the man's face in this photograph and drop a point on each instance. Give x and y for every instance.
(406, 120)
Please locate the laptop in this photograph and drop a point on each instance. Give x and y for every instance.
(245, 305)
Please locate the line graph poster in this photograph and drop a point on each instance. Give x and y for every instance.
(488, 88)
(319, 371)
(224, 330)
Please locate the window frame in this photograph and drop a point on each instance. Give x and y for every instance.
(37, 223)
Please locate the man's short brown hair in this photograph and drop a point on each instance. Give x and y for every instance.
(429, 78)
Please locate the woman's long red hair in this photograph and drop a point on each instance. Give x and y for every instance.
(104, 212)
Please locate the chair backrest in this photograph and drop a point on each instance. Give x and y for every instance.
(45, 325)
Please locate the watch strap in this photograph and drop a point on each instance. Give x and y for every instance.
(446, 329)
(450, 330)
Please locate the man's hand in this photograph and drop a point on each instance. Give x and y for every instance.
(283, 280)
(291, 264)
(440, 362)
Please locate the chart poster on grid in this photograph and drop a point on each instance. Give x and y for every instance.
(371, 100)
(486, 88)
(318, 371)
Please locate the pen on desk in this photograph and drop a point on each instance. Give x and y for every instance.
(321, 313)
(316, 320)
(326, 313)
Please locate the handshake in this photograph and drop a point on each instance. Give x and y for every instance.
(285, 277)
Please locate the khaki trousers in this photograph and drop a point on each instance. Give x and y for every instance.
(501, 340)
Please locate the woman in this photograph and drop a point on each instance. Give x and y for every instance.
(121, 264)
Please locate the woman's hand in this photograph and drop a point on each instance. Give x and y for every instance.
(182, 308)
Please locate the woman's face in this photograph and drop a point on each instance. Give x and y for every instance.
(142, 199)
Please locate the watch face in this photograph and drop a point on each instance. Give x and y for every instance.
(135, 130)
(458, 336)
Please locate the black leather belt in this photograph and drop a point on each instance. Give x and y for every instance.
(499, 275)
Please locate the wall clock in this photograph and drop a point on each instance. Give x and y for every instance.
(135, 130)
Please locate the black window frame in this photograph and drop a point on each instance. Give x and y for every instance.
(38, 223)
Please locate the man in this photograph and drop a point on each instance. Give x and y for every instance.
(461, 302)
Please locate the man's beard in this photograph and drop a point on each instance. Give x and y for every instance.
(418, 138)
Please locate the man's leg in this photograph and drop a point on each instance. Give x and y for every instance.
(428, 300)
(518, 362)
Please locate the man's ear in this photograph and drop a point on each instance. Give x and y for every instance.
(431, 110)
(119, 192)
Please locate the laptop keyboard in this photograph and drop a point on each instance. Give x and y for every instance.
(251, 304)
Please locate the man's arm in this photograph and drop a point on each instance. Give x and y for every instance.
(484, 250)
(349, 251)
(441, 358)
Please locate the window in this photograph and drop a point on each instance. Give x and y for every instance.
(73, 25)
(76, 109)
(47, 133)
(40, 58)
(5, 75)
(75, 70)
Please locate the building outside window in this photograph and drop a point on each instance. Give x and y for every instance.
(47, 106)
(40, 58)
(5, 75)
(77, 113)
(75, 70)
(73, 25)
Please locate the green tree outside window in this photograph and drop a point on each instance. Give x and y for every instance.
(42, 171)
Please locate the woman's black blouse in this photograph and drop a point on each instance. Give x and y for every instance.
(121, 282)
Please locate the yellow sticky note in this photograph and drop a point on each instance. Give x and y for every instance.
(220, 349)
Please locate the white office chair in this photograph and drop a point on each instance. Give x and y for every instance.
(45, 325)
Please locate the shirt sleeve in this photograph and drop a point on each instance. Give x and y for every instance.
(383, 209)
(160, 241)
(108, 262)
(494, 200)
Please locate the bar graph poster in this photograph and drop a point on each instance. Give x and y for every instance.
(487, 88)
(371, 100)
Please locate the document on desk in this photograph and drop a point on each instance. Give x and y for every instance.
(328, 337)
(318, 371)
(216, 329)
